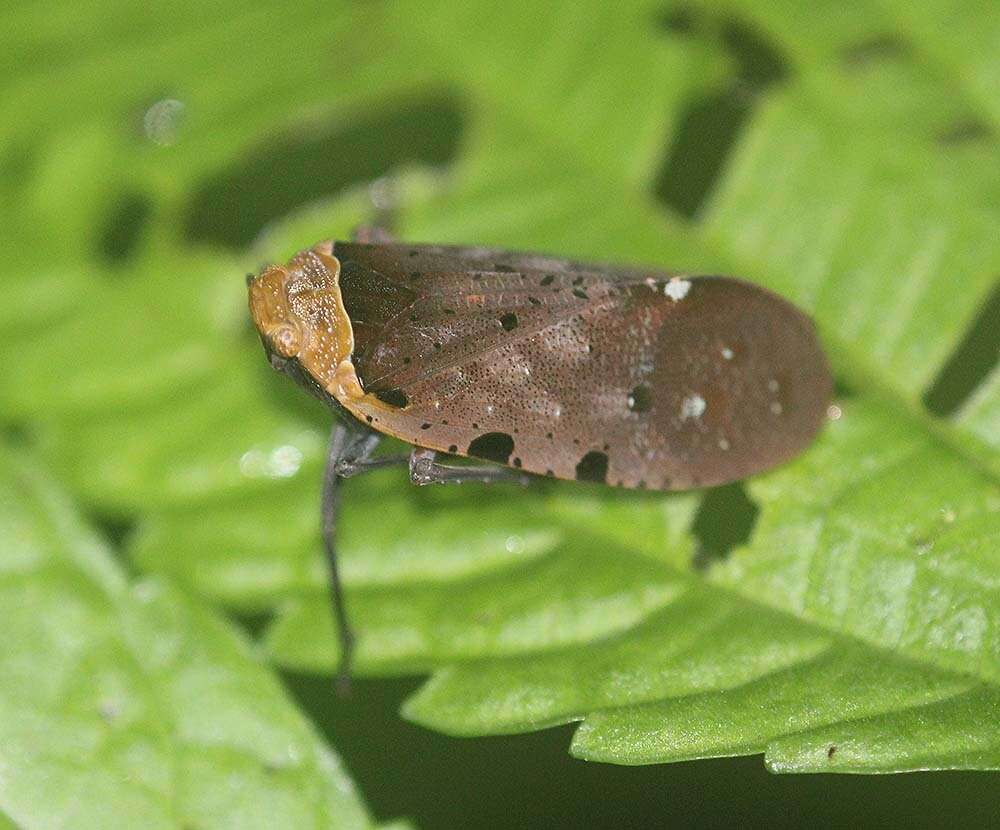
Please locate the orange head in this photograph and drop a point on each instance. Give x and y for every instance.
(298, 310)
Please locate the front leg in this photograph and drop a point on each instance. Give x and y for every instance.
(356, 458)
(348, 455)
(426, 469)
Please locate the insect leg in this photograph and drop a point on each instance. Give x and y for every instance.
(425, 469)
(356, 456)
(347, 455)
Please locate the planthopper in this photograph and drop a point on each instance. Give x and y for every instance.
(534, 365)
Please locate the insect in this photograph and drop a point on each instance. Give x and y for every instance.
(625, 376)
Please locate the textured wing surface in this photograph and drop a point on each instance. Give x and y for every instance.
(624, 376)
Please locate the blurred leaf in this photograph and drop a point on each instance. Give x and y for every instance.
(127, 706)
(857, 629)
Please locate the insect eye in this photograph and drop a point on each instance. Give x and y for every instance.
(286, 341)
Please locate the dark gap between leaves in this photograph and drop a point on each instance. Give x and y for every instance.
(288, 171)
(255, 625)
(117, 529)
(710, 126)
(970, 364)
(123, 226)
(515, 781)
(841, 389)
(725, 520)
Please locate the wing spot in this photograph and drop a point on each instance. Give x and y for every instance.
(677, 288)
(492, 446)
(548, 279)
(593, 467)
(393, 397)
(580, 293)
(509, 321)
(693, 406)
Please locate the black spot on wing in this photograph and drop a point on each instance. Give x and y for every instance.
(393, 397)
(593, 467)
(492, 446)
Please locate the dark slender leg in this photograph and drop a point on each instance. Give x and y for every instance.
(356, 457)
(425, 469)
(348, 455)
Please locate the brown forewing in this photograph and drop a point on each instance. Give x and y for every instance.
(612, 375)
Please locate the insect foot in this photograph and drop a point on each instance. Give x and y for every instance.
(422, 466)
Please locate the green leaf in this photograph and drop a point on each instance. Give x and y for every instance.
(857, 629)
(132, 705)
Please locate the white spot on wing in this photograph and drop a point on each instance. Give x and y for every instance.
(693, 406)
(677, 289)
(727, 353)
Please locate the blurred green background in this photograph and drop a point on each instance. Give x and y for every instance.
(844, 154)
